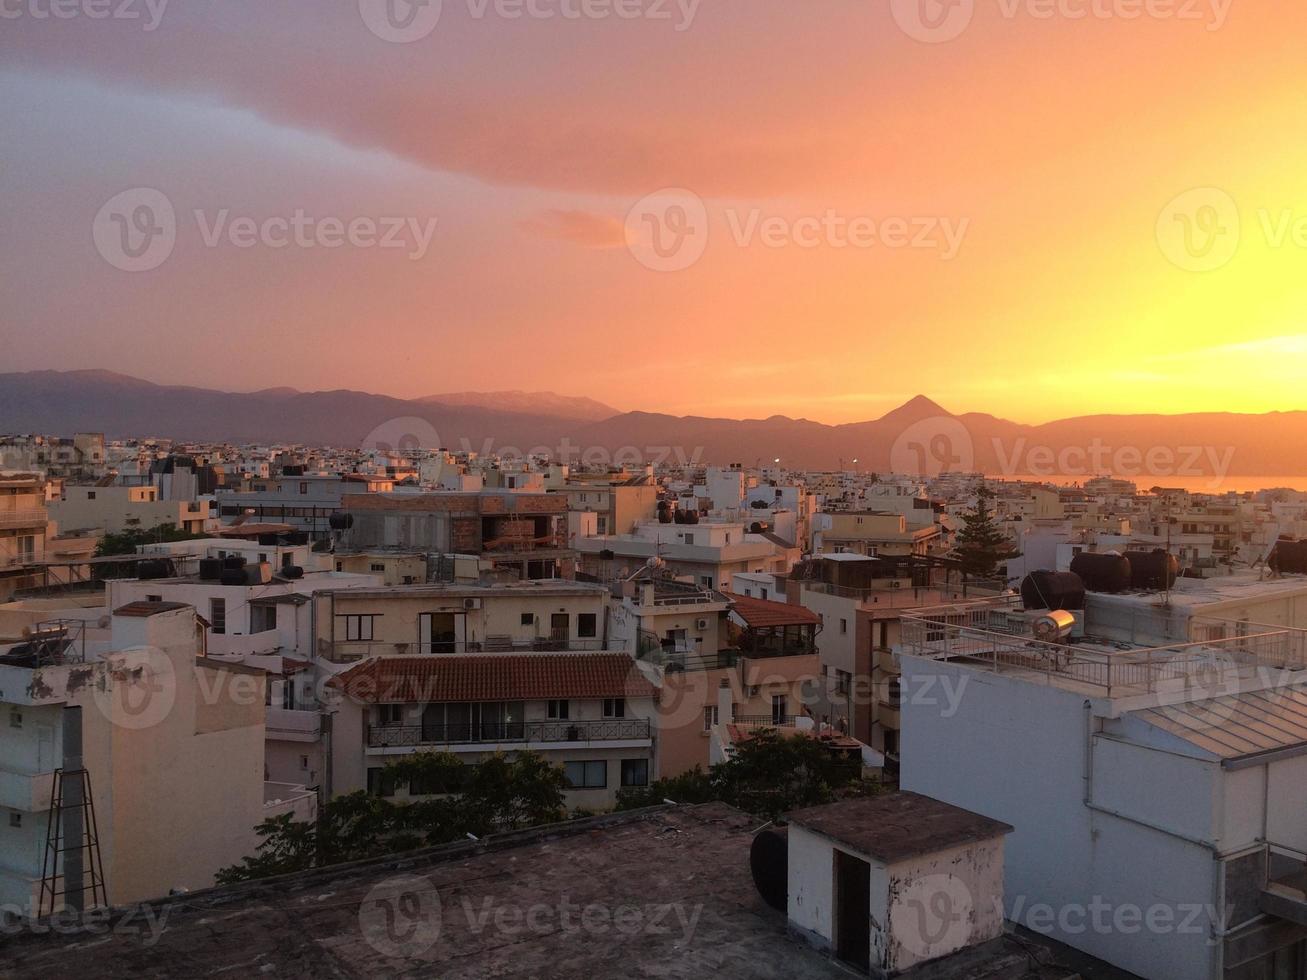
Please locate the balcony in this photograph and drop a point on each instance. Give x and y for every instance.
(28, 792)
(293, 725)
(348, 651)
(33, 517)
(494, 733)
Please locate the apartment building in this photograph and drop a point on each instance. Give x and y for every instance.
(521, 533)
(591, 713)
(547, 615)
(306, 501)
(874, 533)
(859, 602)
(1156, 791)
(115, 509)
(172, 747)
(708, 552)
(618, 501)
(23, 526)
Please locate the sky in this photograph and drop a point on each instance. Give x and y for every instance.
(1034, 208)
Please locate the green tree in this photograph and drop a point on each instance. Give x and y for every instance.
(456, 800)
(126, 542)
(768, 775)
(981, 546)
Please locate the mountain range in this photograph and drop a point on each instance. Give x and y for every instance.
(918, 435)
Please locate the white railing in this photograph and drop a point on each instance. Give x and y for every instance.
(989, 639)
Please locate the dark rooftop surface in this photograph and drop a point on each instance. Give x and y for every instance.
(146, 607)
(664, 892)
(897, 826)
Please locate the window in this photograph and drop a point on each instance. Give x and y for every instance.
(304, 486)
(709, 717)
(614, 707)
(844, 626)
(377, 567)
(528, 619)
(843, 681)
(288, 694)
(778, 709)
(15, 719)
(688, 537)
(705, 581)
(90, 495)
(390, 714)
(380, 782)
(586, 775)
(586, 624)
(15, 819)
(358, 627)
(635, 772)
(304, 762)
(218, 615)
(154, 598)
(559, 709)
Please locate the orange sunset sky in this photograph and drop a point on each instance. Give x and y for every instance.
(1058, 142)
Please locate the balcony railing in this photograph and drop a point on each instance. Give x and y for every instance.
(765, 721)
(344, 651)
(405, 736)
(33, 517)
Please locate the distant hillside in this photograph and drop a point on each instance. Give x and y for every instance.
(529, 403)
(1147, 448)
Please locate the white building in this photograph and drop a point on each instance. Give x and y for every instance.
(1157, 792)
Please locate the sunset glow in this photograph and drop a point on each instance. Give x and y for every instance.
(1054, 146)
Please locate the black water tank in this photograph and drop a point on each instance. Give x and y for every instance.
(607, 554)
(153, 568)
(341, 522)
(664, 516)
(691, 517)
(1102, 573)
(233, 562)
(268, 540)
(1053, 590)
(1290, 557)
(769, 860)
(210, 569)
(292, 571)
(679, 516)
(232, 576)
(756, 527)
(1154, 570)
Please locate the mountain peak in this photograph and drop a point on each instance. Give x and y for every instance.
(915, 409)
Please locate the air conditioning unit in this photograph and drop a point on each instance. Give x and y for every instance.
(471, 603)
(701, 624)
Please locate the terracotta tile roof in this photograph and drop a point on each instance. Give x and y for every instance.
(491, 677)
(762, 613)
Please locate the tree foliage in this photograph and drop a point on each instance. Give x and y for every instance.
(768, 775)
(126, 542)
(981, 545)
(498, 794)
